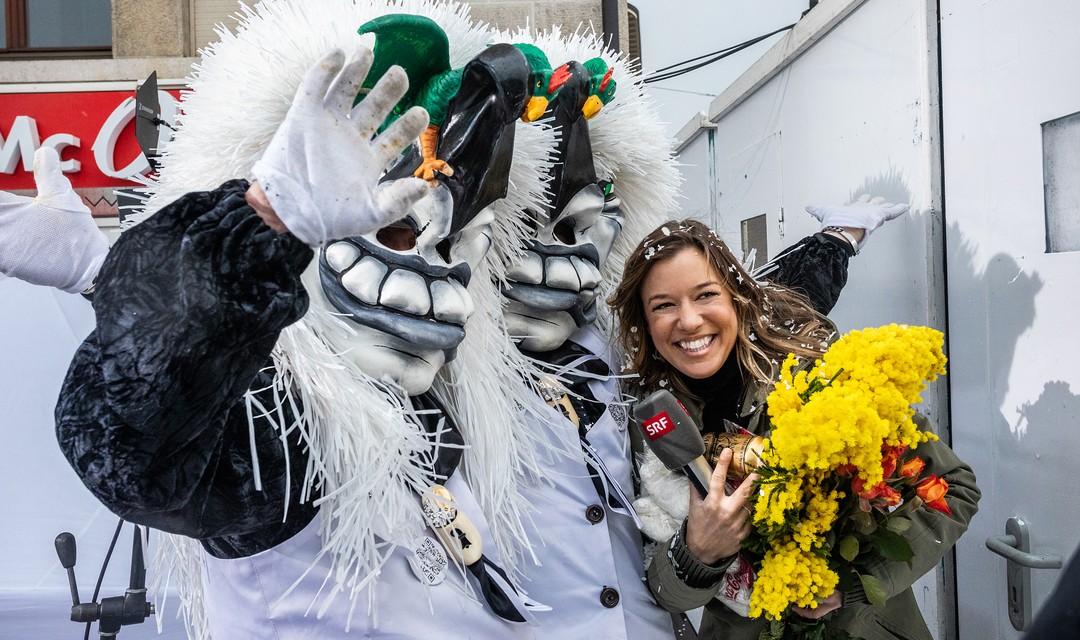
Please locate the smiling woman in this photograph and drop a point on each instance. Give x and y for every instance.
(690, 314)
(683, 284)
(693, 320)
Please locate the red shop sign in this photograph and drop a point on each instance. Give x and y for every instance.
(94, 132)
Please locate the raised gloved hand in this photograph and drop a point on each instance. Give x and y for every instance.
(51, 239)
(865, 213)
(322, 164)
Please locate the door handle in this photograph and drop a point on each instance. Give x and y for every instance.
(1006, 546)
(1014, 547)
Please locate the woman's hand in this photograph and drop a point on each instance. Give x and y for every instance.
(832, 602)
(718, 523)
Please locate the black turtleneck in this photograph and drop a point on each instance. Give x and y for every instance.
(720, 394)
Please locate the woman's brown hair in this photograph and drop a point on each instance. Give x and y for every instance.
(772, 320)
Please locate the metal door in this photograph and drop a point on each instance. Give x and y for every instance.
(1009, 73)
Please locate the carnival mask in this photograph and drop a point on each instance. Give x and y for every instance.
(552, 287)
(404, 290)
(404, 287)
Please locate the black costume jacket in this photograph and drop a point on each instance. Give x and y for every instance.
(151, 415)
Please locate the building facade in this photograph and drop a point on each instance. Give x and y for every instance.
(69, 70)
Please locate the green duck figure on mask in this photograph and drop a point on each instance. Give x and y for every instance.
(417, 44)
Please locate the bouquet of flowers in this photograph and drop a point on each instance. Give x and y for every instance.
(831, 483)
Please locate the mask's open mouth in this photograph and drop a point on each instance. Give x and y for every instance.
(402, 295)
(556, 278)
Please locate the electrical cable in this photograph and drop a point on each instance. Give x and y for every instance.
(673, 72)
(104, 565)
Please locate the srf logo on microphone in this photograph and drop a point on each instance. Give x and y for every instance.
(658, 425)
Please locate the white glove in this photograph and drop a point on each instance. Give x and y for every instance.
(865, 213)
(322, 164)
(50, 240)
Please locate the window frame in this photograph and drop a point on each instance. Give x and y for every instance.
(17, 37)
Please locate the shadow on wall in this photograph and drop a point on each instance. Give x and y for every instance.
(1057, 407)
(1008, 293)
(889, 185)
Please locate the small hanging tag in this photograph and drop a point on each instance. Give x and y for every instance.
(617, 411)
(428, 561)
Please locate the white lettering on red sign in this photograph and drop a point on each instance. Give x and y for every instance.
(658, 425)
(23, 140)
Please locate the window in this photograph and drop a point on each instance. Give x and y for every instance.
(755, 240)
(207, 15)
(1061, 183)
(44, 27)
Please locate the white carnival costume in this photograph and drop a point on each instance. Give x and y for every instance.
(617, 181)
(332, 494)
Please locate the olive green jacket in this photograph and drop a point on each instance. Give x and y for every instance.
(931, 535)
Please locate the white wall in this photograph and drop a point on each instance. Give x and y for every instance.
(1007, 67)
(852, 114)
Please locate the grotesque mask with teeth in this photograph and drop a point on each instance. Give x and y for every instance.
(404, 290)
(552, 287)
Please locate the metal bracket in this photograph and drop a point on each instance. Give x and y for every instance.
(1014, 546)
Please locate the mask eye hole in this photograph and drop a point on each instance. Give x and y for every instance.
(444, 250)
(400, 236)
(564, 231)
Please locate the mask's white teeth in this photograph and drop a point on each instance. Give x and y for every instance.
(560, 274)
(587, 273)
(341, 255)
(529, 269)
(406, 291)
(363, 280)
(450, 301)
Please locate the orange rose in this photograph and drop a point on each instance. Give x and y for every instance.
(912, 468)
(932, 491)
(880, 490)
(889, 459)
(891, 496)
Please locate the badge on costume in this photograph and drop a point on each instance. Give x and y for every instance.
(428, 561)
(554, 393)
(455, 530)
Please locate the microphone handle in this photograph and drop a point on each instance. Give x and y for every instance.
(699, 473)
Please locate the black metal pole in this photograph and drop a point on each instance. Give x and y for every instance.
(610, 16)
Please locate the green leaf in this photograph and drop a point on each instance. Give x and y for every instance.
(849, 548)
(892, 546)
(875, 593)
(774, 631)
(898, 525)
(862, 518)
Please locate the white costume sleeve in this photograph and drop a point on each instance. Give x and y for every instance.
(51, 239)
